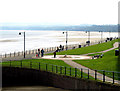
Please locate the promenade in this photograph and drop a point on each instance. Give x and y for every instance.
(69, 61)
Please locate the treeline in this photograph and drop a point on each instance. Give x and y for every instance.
(105, 28)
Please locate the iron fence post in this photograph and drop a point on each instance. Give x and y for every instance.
(56, 68)
(46, 67)
(18, 53)
(60, 69)
(88, 73)
(30, 64)
(52, 67)
(70, 71)
(33, 51)
(14, 54)
(95, 74)
(81, 72)
(29, 51)
(10, 63)
(47, 49)
(103, 76)
(10, 54)
(21, 63)
(5, 55)
(75, 72)
(65, 70)
(113, 77)
(22, 52)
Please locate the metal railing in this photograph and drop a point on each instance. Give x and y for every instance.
(101, 75)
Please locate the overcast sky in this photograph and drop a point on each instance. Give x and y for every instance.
(52, 12)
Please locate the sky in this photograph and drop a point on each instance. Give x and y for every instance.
(53, 12)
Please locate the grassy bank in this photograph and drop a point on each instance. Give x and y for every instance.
(88, 49)
(56, 66)
(109, 62)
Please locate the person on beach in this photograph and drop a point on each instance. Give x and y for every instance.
(38, 52)
(42, 52)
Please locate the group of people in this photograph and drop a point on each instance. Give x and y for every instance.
(42, 51)
(97, 56)
(58, 50)
(38, 53)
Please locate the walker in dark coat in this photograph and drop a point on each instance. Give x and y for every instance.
(42, 53)
(55, 54)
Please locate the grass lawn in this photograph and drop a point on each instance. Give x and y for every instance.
(89, 49)
(109, 62)
(56, 66)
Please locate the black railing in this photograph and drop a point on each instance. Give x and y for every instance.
(69, 71)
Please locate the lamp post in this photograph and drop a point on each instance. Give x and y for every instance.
(101, 35)
(66, 38)
(24, 41)
(88, 37)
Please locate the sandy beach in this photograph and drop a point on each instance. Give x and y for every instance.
(11, 41)
(82, 37)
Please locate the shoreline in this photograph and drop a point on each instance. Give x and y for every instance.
(48, 39)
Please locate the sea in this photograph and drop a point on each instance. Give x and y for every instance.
(11, 41)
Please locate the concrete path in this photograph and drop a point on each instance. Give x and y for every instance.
(115, 45)
(21, 57)
(69, 57)
(91, 72)
(32, 88)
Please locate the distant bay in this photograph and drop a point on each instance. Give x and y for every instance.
(104, 28)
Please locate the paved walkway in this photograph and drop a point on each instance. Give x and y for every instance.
(115, 45)
(91, 72)
(32, 88)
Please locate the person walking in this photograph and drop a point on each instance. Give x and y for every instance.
(42, 52)
(38, 52)
(54, 54)
(60, 47)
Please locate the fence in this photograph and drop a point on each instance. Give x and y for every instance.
(50, 49)
(68, 71)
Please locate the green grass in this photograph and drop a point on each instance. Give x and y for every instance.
(89, 49)
(109, 62)
(51, 64)
(94, 54)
